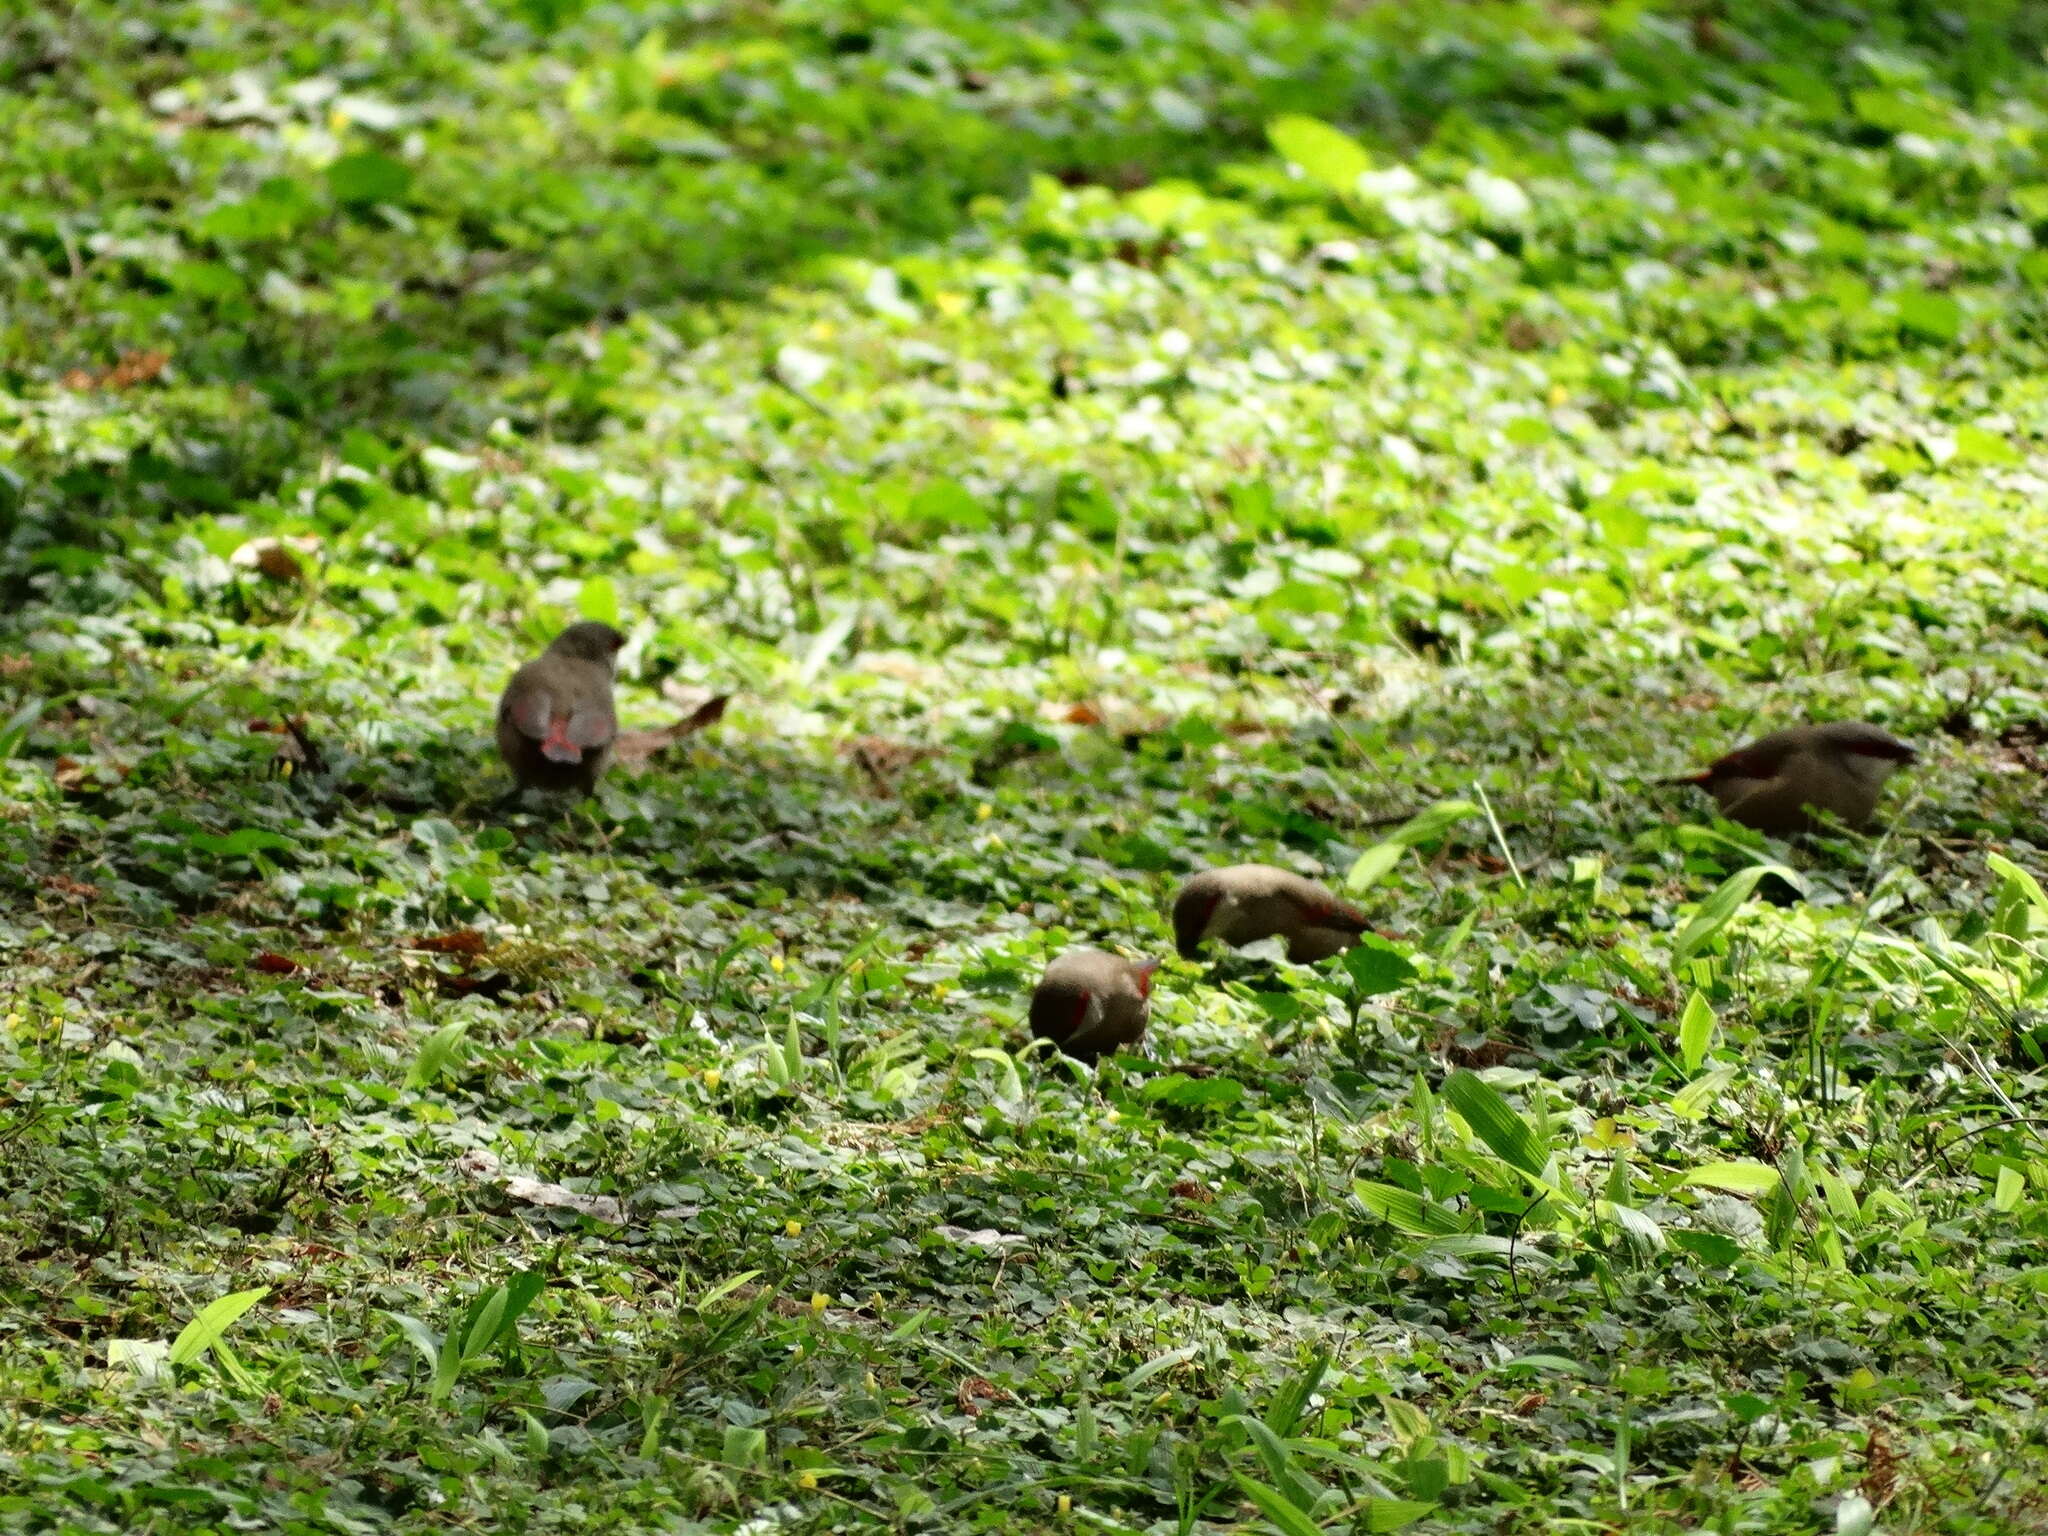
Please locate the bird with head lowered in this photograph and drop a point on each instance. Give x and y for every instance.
(556, 721)
(1787, 781)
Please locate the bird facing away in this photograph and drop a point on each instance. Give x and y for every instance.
(1090, 1004)
(1777, 783)
(1243, 903)
(556, 724)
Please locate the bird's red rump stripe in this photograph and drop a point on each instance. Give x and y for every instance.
(1337, 915)
(557, 745)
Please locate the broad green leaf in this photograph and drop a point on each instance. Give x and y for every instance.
(2020, 879)
(214, 1319)
(1156, 1364)
(437, 1054)
(775, 1059)
(1301, 1491)
(143, 1359)
(15, 731)
(1372, 866)
(1927, 315)
(241, 843)
(482, 1331)
(367, 177)
(1506, 1133)
(1840, 1197)
(1010, 1085)
(1639, 1225)
(2011, 1185)
(448, 1360)
(725, 1288)
(1087, 1436)
(1564, 1364)
(420, 1337)
(521, 1291)
(1390, 1514)
(1425, 826)
(744, 1446)
(1742, 1178)
(1695, 1031)
(1693, 1100)
(225, 1357)
(1276, 1507)
(1328, 156)
(1292, 1398)
(1407, 1211)
(1975, 445)
(1716, 1248)
(1377, 967)
(1480, 1245)
(598, 599)
(1719, 909)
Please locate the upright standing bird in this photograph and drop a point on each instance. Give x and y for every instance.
(1777, 783)
(1243, 903)
(556, 724)
(1089, 1003)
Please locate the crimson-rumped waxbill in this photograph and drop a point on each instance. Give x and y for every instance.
(1243, 903)
(556, 723)
(1779, 782)
(1092, 1004)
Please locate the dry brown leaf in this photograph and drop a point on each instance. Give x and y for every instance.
(492, 986)
(132, 369)
(298, 751)
(16, 666)
(560, 1197)
(481, 1164)
(279, 564)
(87, 775)
(271, 963)
(64, 885)
(633, 748)
(1880, 1468)
(1193, 1189)
(463, 941)
(882, 759)
(282, 560)
(975, 1393)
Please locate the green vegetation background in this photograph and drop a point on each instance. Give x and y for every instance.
(1091, 441)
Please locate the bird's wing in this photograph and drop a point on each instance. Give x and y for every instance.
(529, 707)
(593, 724)
(1759, 760)
(1060, 1016)
(1343, 916)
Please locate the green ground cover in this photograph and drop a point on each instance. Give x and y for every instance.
(1089, 442)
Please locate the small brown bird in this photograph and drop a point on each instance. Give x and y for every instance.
(555, 723)
(1089, 1003)
(1777, 783)
(1244, 903)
